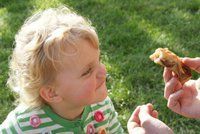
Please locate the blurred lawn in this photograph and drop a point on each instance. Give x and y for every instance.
(129, 32)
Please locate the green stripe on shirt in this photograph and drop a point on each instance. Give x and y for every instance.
(12, 128)
(20, 120)
(4, 131)
(43, 125)
(116, 124)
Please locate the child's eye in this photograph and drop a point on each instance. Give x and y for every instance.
(87, 72)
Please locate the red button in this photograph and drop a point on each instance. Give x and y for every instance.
(90, 129)
(35, 121)
(99, 116)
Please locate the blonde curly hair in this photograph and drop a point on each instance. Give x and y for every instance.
(40, 44)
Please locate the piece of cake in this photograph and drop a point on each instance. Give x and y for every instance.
(166, 58)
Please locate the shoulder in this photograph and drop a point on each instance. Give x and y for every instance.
(10, 124)
(20, 121)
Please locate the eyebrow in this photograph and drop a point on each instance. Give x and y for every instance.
(90, 65)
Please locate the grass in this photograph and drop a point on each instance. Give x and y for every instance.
(129, 32)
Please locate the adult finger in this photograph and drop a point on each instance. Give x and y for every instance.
(191, 86)
(134, 121)
(135, 130)
(193, 63)
(154, 113)
(172, 85)
(149, 108)
(134, 117)
(144, 113)
(173, 101)
(167, 74)
(132, 125)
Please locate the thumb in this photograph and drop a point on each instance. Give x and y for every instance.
(144, 113)
(173, 101)
(193, 63)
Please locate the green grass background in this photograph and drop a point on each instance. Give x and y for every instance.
(129, 31)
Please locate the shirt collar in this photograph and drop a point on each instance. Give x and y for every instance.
(64, 122)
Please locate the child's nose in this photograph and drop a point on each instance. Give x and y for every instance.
(101, 74)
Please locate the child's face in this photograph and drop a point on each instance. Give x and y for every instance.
(83, 80)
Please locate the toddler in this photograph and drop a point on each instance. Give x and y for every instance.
(56, 71)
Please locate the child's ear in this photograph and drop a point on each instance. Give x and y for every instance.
(49, 94)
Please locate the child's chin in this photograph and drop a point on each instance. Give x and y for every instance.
(100, 99)
(103, 97)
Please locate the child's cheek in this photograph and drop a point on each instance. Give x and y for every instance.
(87, 95)
(88, 89)
(90, 86)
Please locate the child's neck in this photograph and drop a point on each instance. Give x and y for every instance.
(68, 113)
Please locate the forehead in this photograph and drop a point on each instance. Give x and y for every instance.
(84, 54)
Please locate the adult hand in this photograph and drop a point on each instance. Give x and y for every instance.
(183, 99)
(144, 121)
(193, 63)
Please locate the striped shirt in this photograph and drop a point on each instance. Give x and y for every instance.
(44, 121)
